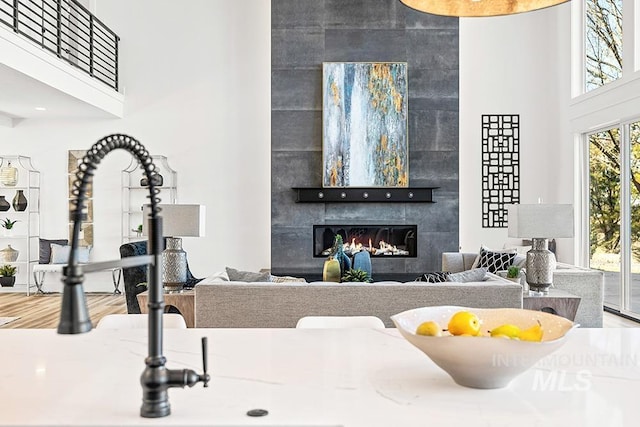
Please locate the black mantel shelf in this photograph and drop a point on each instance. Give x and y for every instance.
(364, 194)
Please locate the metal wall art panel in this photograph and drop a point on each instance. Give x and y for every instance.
(500, 167)
(364, 108)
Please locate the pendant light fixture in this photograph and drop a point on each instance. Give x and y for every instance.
(477, 8)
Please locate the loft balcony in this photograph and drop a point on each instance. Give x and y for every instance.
(58, 51)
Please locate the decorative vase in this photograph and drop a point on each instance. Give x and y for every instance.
(4, 205)
(362, 261)
(9, 175)
(9, 254)
(331, 271)
(19, 201)
(7, 280)
(174, 265)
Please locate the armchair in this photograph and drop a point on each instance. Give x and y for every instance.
(135, 276)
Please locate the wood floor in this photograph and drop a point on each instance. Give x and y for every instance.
(43, 311)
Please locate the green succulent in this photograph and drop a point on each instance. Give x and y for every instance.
(356, 275)
(513, 272)
(8, 270)
(7, 223)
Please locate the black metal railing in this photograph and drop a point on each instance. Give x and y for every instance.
(69, 31)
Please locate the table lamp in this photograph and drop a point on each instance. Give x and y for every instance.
(540, 222)
(178, 221)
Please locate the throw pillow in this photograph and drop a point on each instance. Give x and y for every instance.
(287, 279)
(45, 249)
(247, 276)
(434, 277)
(60, 254)
(494, 261)
(476, 262)
(474, 275)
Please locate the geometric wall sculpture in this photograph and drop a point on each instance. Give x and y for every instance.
(500, 167)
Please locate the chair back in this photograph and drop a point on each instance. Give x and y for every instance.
(333, 322)
(139, 321)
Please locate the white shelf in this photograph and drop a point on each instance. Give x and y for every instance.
(26, 232)
(134, 195)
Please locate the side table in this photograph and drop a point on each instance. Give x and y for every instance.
(183, 301)
(555, 301)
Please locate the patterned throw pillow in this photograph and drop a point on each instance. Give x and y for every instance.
(434, 277)
(495, 261)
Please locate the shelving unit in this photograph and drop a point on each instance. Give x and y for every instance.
(24, 236)
(135, 195)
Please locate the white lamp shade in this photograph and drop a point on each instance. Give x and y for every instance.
(540, 221)
(179, 220)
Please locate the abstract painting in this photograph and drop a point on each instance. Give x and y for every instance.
(365, 124)
(500, 167)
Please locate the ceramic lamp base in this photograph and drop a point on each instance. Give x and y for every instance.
(541, 263)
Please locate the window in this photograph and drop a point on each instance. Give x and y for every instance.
(603, 42)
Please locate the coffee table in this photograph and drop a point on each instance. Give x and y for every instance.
(183, 301)
(555, 301)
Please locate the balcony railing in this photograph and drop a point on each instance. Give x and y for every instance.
(68, 30)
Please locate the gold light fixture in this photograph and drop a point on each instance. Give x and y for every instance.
(477, 8)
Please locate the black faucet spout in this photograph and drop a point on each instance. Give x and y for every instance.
(74, 318)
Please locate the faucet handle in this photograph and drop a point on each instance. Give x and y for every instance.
(205, 356)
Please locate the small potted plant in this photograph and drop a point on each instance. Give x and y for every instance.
(513, 273)
(356, 275)
(8, 224)
(8, 275)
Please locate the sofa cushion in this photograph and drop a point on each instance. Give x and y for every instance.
(495, 260)
(474, 275)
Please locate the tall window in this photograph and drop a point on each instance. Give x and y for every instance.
(604, 209)
(603, 42)
(634, 207)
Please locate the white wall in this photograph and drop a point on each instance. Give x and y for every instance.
(196, 76)
(517, 64)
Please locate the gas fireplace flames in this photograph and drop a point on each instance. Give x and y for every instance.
(383, 249)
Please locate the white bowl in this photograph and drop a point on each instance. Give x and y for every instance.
(484, 362)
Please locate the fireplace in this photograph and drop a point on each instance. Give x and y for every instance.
(381, 241)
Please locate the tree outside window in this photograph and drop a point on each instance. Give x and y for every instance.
(603, 42)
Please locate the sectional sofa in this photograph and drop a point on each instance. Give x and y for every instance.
(222, 304)
(586, 283)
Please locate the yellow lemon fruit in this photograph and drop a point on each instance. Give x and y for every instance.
(430, 328)
(511, 331)
(464, 323)
(534, 333)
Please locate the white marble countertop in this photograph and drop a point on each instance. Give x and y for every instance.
(312, 377)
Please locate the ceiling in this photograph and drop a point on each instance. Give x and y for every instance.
(21, 94)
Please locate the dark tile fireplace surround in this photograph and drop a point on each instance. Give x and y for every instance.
(306, 33)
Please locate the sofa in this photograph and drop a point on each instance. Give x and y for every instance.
(224, 304)
(586, 283)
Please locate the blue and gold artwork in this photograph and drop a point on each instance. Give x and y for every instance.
(365, 124)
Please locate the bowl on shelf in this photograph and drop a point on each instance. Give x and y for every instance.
(483, 361)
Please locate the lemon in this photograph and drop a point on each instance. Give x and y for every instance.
(534, 333)
(511, 331)
(464, 323)
(430, 328)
